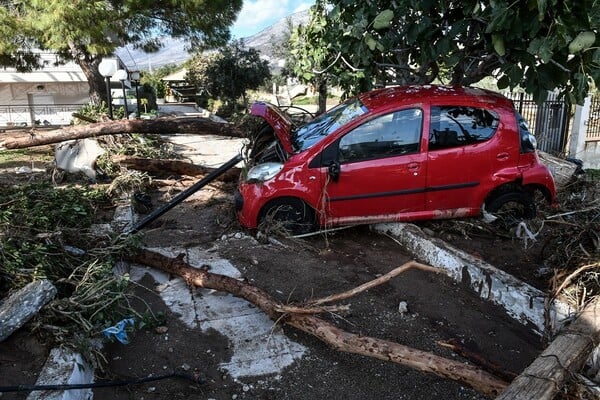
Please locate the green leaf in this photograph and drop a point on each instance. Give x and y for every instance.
(503, 82)
(541, 48)
(372, 43)
(498, 42)
(383, 19)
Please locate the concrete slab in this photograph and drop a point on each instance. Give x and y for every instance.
(258, 348)
(64, 367)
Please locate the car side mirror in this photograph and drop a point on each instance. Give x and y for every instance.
(334, 170)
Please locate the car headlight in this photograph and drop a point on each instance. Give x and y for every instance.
(264, 172)
(532, 140)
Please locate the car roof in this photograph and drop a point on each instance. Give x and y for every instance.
(400, 95)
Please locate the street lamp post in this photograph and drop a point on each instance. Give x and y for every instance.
(107, 68)
(135, 78)
(121, 75)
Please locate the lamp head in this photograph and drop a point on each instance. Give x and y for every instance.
(120, 75)
(107, 68)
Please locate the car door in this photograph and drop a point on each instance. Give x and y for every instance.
(461, 152)
(381, 170)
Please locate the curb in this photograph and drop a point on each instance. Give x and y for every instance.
(521, 301)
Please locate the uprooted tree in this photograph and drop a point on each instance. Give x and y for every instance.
(191, 125)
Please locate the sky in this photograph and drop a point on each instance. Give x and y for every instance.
(257, 15)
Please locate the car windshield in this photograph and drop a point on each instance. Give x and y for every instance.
(307, 135)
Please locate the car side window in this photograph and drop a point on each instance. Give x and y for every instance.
(389, 135)
(455, 126)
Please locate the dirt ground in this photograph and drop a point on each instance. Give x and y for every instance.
(294, 270)
(438, 310)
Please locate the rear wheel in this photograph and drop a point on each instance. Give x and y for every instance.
(289, 214)
(512, 207)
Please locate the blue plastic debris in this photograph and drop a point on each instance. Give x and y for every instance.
(118, 331)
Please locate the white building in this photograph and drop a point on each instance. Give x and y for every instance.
(45, 97)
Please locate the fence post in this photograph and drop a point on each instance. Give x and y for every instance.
(578, 132)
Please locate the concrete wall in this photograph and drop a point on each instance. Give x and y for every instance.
(587, 151)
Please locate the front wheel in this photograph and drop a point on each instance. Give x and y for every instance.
(289, 214)
(512, 207)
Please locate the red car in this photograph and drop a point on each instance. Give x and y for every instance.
(394, 154)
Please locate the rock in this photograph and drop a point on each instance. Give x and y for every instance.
(403, 307)
(24, 304)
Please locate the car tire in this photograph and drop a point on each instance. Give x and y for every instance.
(290, 214)
(260, 140)
(512, 207)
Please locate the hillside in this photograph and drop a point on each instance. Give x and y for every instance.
(174, 51)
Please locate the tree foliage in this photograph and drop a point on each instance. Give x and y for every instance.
(230, 73)
(539, 45)
(84, 31)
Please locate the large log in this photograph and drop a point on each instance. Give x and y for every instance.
(189, 125)
(158, 166)
(325, 331)
(563, 357)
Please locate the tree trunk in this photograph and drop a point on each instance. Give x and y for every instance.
(97, 84)
(327, 332)
(168, 167)
(189, 125)
(566, 355)
(322, 88)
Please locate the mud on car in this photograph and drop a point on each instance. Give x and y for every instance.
(394, 154)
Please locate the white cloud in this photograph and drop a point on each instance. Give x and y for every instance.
(259, 14)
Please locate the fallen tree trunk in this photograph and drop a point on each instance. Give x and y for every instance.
(189, 125)
(173, 167)
(327, 332)
(562, 358)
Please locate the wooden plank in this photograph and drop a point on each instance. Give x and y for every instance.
(564, 356)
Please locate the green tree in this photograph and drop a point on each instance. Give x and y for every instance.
(229, 74)
(85, 31)
(539, 45)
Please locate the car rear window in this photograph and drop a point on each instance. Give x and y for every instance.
(455, 126)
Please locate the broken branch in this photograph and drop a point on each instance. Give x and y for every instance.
(376, 282)
(341, 340)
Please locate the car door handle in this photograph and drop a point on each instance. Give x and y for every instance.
(413, 166)
(502, 156)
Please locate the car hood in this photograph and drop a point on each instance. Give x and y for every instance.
(282, 125)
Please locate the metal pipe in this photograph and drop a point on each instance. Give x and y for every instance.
(109, 98)
(186, 193)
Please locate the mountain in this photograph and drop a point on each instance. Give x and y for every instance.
(174, 51)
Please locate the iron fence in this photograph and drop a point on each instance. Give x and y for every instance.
(549, 121)
(39, 114)
(592, 133)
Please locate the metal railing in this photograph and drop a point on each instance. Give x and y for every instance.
(39, 114)
(592, 133)
(548, 121)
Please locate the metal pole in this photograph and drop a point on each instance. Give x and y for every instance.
(186, 193)
(125, 99)
(109, 98)
(137, 98)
